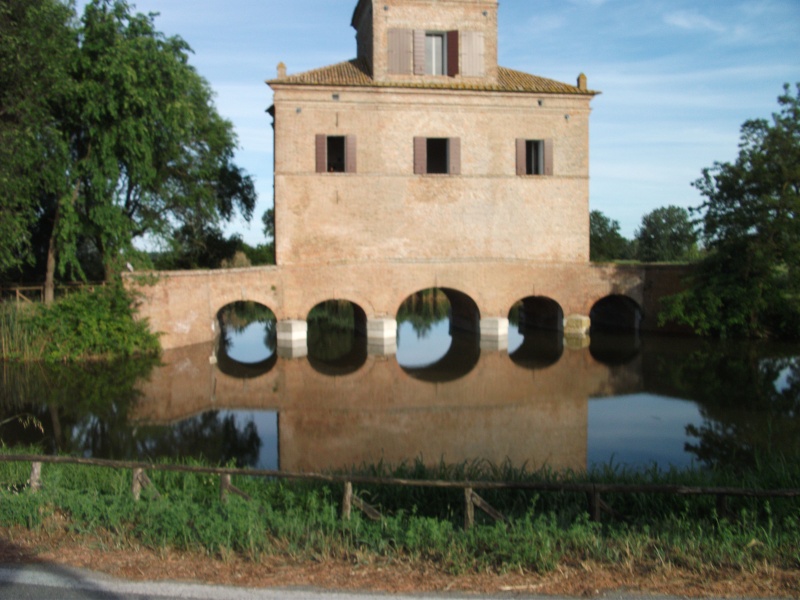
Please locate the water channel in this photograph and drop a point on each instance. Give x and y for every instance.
(624, 399)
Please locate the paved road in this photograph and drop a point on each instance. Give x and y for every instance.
(28, 582)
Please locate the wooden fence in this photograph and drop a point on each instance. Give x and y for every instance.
(30, 294)
(593, 491)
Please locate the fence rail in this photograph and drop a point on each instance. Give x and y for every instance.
(593, 491)
(30, 294)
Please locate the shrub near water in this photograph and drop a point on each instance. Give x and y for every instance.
(85, 324)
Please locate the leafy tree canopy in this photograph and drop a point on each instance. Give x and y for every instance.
(38, 46)
(667, 234)
(147, 153)
(749, 285)
(606, 242)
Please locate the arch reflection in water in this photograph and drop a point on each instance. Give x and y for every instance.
(337, 341)
(565, 416)
(537, 324)
(248, 338)
(438, 337)
(615, 335)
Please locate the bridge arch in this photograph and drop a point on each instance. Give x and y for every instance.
(246, 345)
(540, 322)
(616, 321)
(336, 342)
(421, 311)
(219, 301)
(538, 312)
(616, 312)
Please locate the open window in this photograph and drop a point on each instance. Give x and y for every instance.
(534, 157)
(421, 52)
(335, 153)
(437, 156)
(436, 53)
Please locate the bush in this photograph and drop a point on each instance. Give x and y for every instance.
(96, 323)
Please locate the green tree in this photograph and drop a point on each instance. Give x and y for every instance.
(149, 152)
(37, 48)
(268, 219)
(200, 247)
(749, 285)
(667, 234)
(606, 242)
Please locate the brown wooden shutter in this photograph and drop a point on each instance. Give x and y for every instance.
(522, 155)
(472, 54)
(454, 156)
(401, 51)
(419, 52)
(452, 53)
(420, 155)
(548, 157)
(321, 148)
(350, 154)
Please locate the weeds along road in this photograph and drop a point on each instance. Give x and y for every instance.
(26, 582)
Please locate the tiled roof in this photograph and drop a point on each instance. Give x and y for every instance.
(354, 73)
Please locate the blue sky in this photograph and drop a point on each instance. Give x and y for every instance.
(678, 77)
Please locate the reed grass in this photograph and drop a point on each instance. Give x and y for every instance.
(18, 340)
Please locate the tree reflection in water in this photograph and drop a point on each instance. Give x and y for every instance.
(214, 437)
(422, 309)
(749, 397)
(337, 344)
(85, 411)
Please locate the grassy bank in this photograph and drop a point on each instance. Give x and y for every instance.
(86, 324)
(302, 521)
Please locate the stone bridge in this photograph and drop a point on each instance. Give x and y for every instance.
(184, 305)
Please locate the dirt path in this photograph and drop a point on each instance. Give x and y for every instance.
(579, 580)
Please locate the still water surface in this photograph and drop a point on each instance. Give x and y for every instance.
(625, 400)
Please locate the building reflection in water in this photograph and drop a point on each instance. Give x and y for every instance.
(531, 410)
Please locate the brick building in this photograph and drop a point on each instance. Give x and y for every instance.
(423, 148)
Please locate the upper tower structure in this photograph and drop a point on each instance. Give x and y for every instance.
(403, 40)
(422, 148)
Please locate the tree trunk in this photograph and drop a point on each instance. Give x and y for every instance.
(109, 270)
(50, 274)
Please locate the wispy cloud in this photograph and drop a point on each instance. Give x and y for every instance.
(588, 2)
(693, 21)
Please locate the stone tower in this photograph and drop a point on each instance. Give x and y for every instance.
(422, 148)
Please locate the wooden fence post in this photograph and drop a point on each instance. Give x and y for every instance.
(36, 476)
(136, 487)
(347, 501)
(469, 509)
(224, 484)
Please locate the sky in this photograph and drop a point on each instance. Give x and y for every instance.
(678, 78)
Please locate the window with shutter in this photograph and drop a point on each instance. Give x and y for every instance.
(534, 157)
(437, 156)
(335, 153)
(435, 53)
